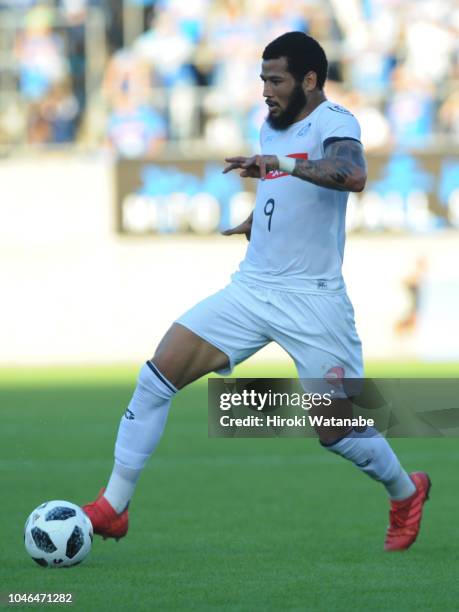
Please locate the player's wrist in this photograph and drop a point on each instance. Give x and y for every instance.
(286, 164)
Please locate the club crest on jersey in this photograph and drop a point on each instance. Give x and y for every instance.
(339, 109)
(274, 174)
(304, 129)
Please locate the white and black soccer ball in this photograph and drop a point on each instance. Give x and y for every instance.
(58, 534)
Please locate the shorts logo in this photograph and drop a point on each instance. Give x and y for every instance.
(335, 375)
(274, 174)
(129, 415)
(322, 284)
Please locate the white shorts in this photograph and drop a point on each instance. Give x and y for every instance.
(316, 330)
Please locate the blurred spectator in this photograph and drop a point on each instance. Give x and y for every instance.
(60, 110)
(202, 64)
(40, 55)
(168, 49)
(429, 40)
(135, 129)
(410, 109)
(53, 119)
(126, 73)
(43, 71)
(413, 285)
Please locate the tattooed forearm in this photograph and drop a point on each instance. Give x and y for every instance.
(343, 167)
(334, 174)
(341, 175)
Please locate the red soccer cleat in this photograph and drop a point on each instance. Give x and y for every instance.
(105, 520)
(405, 515)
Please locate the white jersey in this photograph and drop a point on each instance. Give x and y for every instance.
(298, 230)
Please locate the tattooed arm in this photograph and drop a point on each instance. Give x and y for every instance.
(343, 167)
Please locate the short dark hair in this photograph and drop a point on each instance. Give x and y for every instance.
(303, 54)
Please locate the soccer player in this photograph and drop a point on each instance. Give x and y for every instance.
(289, 289)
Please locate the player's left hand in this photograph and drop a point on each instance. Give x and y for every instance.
(256, 166)
(243, 228)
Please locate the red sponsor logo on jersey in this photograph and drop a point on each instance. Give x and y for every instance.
(274, 174)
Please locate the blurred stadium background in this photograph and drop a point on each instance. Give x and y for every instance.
(115, 117)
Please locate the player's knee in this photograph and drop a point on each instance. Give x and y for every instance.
(166, 361)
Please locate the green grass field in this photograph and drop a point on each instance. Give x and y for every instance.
(218, 524)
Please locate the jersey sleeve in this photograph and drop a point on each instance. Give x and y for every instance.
(337, 123)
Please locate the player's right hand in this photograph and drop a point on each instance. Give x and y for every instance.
(243, 228)
(256, 166)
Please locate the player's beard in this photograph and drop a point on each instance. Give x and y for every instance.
(295, 105)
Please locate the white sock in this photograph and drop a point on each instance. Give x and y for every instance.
(140, 430)
(371, 453)
(121, 486)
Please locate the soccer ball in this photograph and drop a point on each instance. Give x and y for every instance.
(58, 534)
